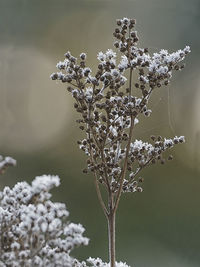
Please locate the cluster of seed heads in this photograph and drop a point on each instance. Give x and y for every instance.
(109, 110)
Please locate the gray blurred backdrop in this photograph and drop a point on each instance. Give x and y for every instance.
(161, 226)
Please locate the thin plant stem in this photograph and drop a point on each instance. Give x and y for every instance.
(100, 198)
(111, 232)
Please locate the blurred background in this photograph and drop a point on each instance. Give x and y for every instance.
(161, 226)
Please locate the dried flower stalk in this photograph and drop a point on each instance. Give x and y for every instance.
(109, 113)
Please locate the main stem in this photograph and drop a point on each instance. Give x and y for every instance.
(111, 233)
(113, 206)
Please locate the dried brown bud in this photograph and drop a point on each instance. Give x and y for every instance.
(176, 67)
(133, 21)
(166, 83)
(139, 189)
(170, 157)
(85, 171)
(141, 180)
(137, 85)
(119, 23)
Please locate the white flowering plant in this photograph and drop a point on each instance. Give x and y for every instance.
(109, 111)
(34, 231)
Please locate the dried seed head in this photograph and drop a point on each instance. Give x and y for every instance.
(108, 108)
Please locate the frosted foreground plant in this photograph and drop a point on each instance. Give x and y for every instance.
(109, 112)
(33, 229)
(91, 262)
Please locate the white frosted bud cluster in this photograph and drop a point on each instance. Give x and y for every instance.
(92, 262)
(6, 162)
(109, 108)
(34, 230)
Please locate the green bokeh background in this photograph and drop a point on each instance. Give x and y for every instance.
(161, 226)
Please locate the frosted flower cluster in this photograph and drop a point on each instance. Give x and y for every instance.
(91, 262)
(34, 231)
(142, 154)
(98, 262)
(6, 162)
(109, 109)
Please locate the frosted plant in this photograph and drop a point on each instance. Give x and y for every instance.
(109, 110)
(91, 262)
(5, 162)
(34, 230)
